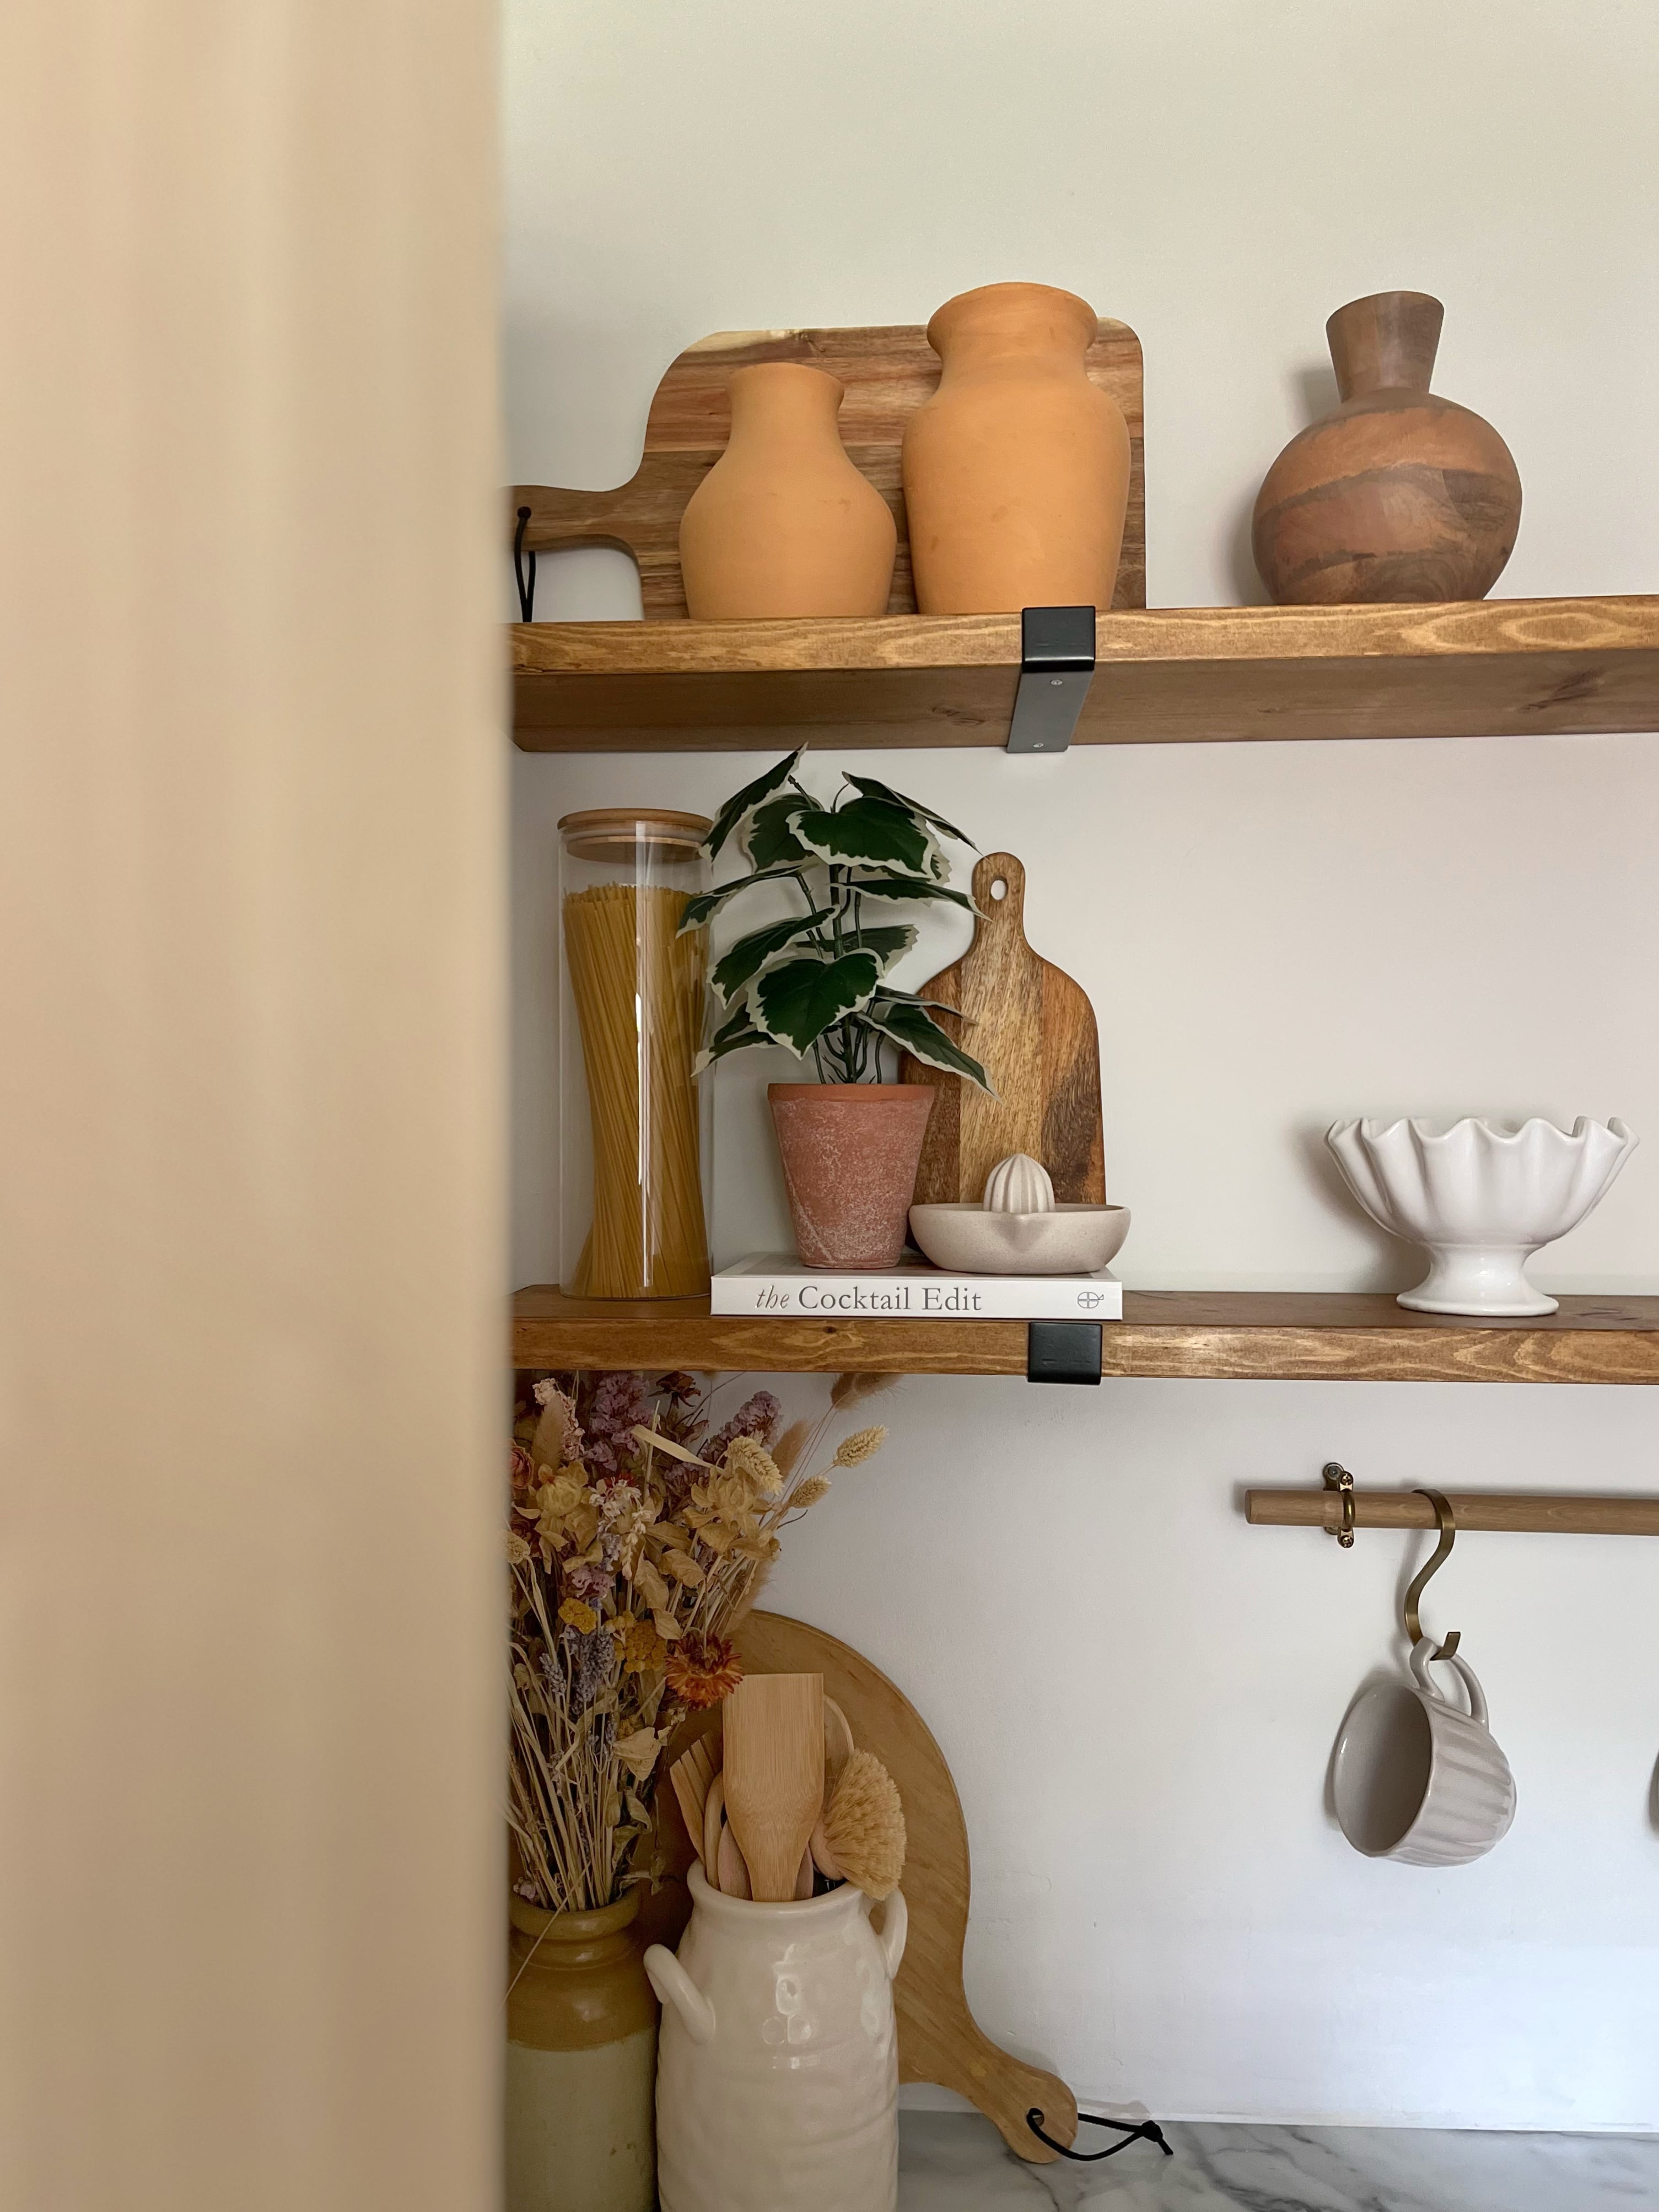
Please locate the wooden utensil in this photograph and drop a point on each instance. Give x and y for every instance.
(773, 1775)
(1034, 1030)
(804, 1879)
(691, 1787)
(887, 373)
(734, 1874)
(837, 1742)
(712, 1810)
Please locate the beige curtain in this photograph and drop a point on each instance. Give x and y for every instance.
(249, 1100)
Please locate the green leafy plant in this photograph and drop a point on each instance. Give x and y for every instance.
(816, 981)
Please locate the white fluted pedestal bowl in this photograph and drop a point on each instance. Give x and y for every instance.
(1482, 1197)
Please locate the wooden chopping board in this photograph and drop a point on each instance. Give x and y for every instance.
(1033, 1030)
(939, 2038)
(888, 373)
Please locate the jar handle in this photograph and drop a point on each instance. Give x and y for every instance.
(894, 1926)
(675, 1986)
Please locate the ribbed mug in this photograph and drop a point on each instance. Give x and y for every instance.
(1418, 1780)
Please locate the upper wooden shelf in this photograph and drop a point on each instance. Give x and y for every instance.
(1164, 675)
(1234, 1335)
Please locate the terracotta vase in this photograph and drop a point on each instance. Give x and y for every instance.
(783, 524)
(1017, 470)
(581, 2062)
(1397, 494)
(850, 1152)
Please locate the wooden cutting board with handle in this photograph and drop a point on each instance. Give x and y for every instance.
(939, 2038)
(1033, 1030)
(888, 371)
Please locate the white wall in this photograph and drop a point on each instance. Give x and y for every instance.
(1139, 1693)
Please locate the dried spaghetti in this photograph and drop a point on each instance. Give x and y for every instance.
(638, 989)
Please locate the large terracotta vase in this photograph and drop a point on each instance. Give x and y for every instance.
(1017, 470)
(1398, 494)
(581, 2061)
(783, 524)
(850, 1153)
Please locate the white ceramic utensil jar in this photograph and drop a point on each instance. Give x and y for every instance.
(777, 2079)
(1418, 1780)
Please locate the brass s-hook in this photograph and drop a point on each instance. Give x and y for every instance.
(1446, 1519)
(1337, 1478)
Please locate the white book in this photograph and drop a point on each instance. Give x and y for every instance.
(773, 1283)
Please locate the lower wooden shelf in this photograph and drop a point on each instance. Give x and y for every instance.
(1220, 1335)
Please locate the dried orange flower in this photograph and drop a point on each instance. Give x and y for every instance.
(582, 1618)
(703, 1669)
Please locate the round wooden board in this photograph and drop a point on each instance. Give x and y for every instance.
(939, 2038)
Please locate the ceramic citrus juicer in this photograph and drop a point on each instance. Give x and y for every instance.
(1018, 1228)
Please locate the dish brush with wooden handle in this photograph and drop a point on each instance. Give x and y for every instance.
(862, 1832)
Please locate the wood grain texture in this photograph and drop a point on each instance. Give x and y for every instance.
(1223, 1335)
(939, 2038)
(1034, 1030)
(1502, 1510)
(1167, 675)
(1397, 494)
(887, 371)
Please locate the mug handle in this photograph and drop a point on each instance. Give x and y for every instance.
(1423, 1655)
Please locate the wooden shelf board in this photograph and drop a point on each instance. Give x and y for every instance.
(1166, 675)
(1237, 1335)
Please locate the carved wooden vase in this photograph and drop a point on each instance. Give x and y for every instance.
(1017, 470)
(784, 523)
(1398, 494)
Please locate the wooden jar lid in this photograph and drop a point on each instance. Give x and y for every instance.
(606, 833)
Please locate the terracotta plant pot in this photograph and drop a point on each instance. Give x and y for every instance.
(581, 2062)
(1017, 470)
(1397, 496)
(783, 524)
(850, 1152)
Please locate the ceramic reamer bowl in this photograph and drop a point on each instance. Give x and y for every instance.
(1068, 1240)
(1481, 1196)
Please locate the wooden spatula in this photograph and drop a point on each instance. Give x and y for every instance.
(774, 1774)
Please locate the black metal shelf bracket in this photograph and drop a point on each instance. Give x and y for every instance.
(1056, 667)
(1063, 1351)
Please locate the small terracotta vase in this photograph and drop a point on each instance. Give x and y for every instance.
(1017, 470)
(783, 524)
(850, 1152)
(1397, 496)
(581, 2062)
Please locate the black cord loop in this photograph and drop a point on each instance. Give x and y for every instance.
(1148, 2131)
(521, 564)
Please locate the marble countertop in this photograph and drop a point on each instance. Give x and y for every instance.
(952, 2162)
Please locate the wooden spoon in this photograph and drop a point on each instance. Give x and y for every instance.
(774, 1776)
(734, 1874)
(837, 1739)
(714, 1806)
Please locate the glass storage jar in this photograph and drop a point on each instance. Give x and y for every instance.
(633, 1141)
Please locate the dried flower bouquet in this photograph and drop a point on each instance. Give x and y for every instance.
(635, 1544)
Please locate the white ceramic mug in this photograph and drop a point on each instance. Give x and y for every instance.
(1416, 1778)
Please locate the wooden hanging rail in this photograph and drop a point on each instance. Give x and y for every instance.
(1512, 1511)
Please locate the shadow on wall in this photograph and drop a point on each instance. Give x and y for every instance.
(1394, 1265)
(1315, 387)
